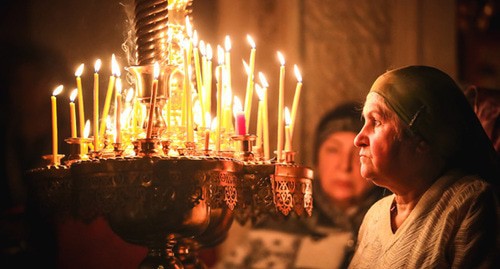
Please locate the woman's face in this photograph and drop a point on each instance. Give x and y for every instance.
(385, 156)
(339, 169)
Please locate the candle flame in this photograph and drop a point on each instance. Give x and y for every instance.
(202, 47)
(156, 70)
(195, 38)
(281, 58)
(251, 42)
(79, 70)
(297, 73)
(97, 65)
(263, 80)
(245, 65)
(220, 55)
(86, 130)
(115, 68)
(57, 90)
(237, 106)
(209, 52)
(227, 43)
(260, 91)
(288, 118)
(73, 95)
(189, 28)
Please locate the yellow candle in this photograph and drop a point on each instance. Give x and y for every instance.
(281, 106)
(81, 108)
(197, 67)
(208, 82)
(218, 73)
(109, 94)
(152, 103)
(135, 115)
(86, 132)
(265, 116)
(72, 112)
(288, 137)
(97, 66)
(259, 133)
(53, 101)
(187, 92)
(296, 99)
(227, 60)
(118, 112)
(250, 81)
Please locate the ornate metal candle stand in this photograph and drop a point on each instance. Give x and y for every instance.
(171, 205)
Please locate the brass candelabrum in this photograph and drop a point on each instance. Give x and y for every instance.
(165, 191)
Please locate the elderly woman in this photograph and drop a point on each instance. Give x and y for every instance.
(422, 140)
(341, 198)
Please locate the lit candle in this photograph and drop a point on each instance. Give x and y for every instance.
(281, 105)
(81, 110)
(227, 107)
(115, 69)
(53, 101)
(288, 136)
(265, 116)
(239, 117)
(187, 91)
(152, 103)
(135, 112)
(199, 79)
(86, 132)
(97, 66)
(296, 99)
(208, 83)
(72, 112)
(118, 111)
(249, 90)
(227, 61)
(259, 133)
(218, 73)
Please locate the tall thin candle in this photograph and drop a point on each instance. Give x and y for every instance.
(250, 81)
(97, 66)
(199, 79)
(152, 103)
(218, 73)
(208, 83)
(81, 108)
(259, 133)
(53, 101)
(296, 99)
(227, 64)
(115, 69)
(239, 117)
(288, 137)
(265, 116)
(72, 112)
(281, 106)
(118, 112)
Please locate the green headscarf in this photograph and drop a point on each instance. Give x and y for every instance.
(434, 107)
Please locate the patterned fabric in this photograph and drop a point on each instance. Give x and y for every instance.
(454, 225)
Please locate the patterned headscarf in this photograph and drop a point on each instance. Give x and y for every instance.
(434, 107)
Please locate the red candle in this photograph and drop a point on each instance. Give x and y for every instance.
(239, 116)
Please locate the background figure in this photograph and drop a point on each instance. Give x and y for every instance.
(422, 140)
(341, 198)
